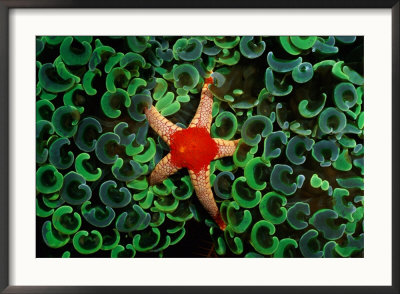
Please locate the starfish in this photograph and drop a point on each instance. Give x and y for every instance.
(192, 148)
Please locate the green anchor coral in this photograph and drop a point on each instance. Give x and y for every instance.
(293, 187)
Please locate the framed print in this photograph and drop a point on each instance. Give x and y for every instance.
(181, 149)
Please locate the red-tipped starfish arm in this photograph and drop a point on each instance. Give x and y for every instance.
(162, 126)
(163, 170)
(202, 186)
(203, 116)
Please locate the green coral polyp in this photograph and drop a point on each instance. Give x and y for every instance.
(42, 210)
(255, 128)
(309, 245)
(309, 109)
(323, 220)
(345, 96)
(110, 240)
(138, 44)
(274, 87)
(186, 76)
(303, 42)
(88, 131)
(272, 145)
(296, 215)
(225, 125)
(126, 137)
(227, 57)
(53, 201)
(65, 121)
(105, 147)
(250, 48)
(262, 238)
(223, 184)
(134, 219)
(146, 198)
(85, 167)
(147, 240)
(166, 204)
(352, 182)
(52, 237)
(136, 85)
(126, 171)
(239, 220)
(282, 65)
(132, 63)
(87, 243)
(343, 163)
(244, 195)
(272, 208)
(88, 81)
(58, 156)
(74, 52)
(256, 173)
(44, 110)
(293, 187)
(303, 72)
(112, 196)
(118, 77)
(235, 244)
(182, 213)
(183, 191)
(342, 207)
(51, 81)
(332, 121)
(101, 54)
(243, 154)
(296, 148)
(75, 97)
(165, 101)
(325, 46)
(111, 102)
(163, 189)
(139, 102)
(65, 221)
(353, 245)
(325, 152)
(123, 252)
(187, 49)
(74, 190)
(97, 215)
(287, 248)
(279, 179)
(48, 179)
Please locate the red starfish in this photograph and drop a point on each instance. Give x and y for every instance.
(192, 148)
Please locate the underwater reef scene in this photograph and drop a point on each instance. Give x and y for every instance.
(127, 147)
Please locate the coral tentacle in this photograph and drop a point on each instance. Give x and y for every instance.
(203, 116)
(162, 126)
(225, 147)
(202, 186)
(163, 170)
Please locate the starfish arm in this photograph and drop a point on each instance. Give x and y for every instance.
(162, 126)
(225, 147)
(163, 170)
(202, 186)
(203, 116)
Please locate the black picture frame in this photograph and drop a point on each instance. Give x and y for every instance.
(7, 5)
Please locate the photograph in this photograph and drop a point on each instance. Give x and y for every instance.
(199, 146)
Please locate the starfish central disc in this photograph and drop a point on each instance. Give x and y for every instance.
(192, 148)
